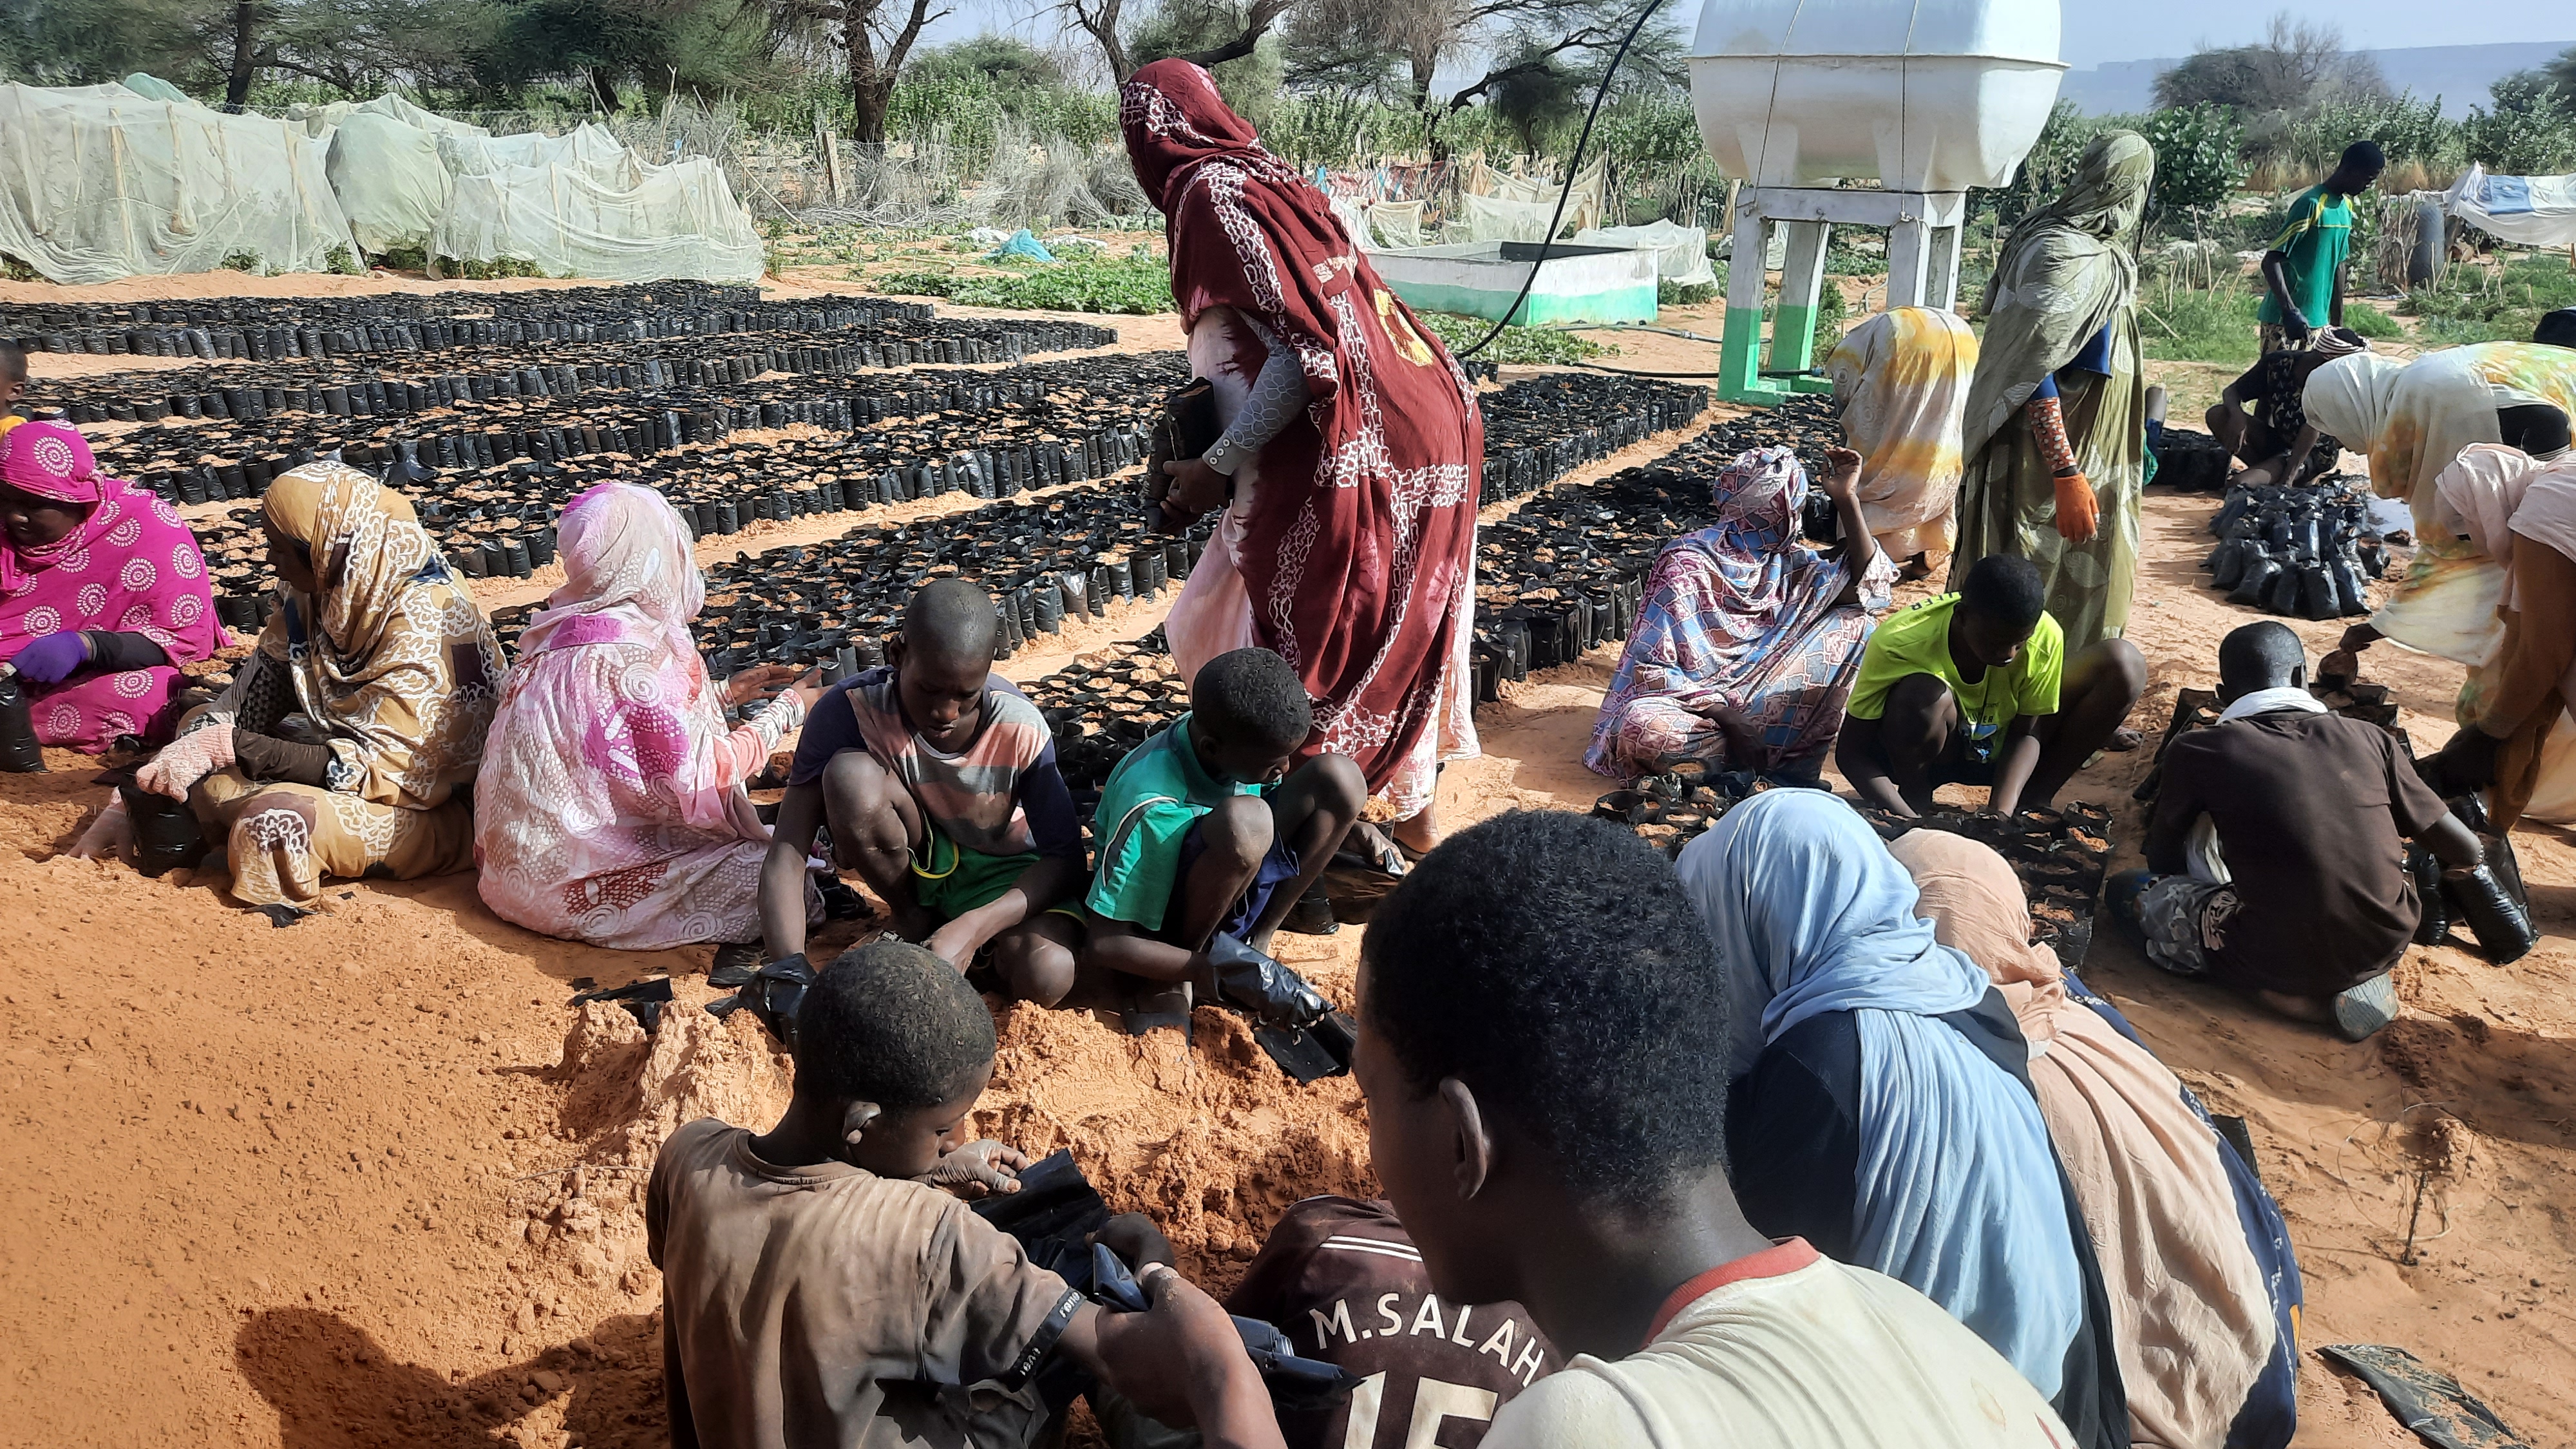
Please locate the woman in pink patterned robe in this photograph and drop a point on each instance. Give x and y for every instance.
(611, 806)
(102, 592)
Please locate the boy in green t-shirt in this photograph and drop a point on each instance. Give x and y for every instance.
(1206, 839)
(1975, 688)
(2303, 272)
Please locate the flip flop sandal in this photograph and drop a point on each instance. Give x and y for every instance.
(1152, 1010)
(2122, 741)
(1312, 915)
(2362, 1011)
(735, 964)
(841, 903)
(653, 988)
(1319, 1049)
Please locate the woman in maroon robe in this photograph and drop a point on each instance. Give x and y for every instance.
(1349, 464)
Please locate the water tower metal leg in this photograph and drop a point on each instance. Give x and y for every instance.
(1908, 262)
(1802, 275)
(1941, 289)
(1739, 366)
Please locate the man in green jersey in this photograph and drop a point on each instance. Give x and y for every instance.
(2303, 272)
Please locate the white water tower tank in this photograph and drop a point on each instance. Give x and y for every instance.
(1920, 95)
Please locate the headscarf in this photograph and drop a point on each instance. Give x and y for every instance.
(1975, 904)
(50, 460)
(2348, 398)
(2492, 492)
(1901, 379)
(1956, 1191)
(129, 566)
(1359, 543)
(629, 574)
(2414, 420)
(392, 659)
(1811, 914)
(2203, 1287)
(2063, 274)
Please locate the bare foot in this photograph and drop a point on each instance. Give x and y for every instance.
(1417, 836)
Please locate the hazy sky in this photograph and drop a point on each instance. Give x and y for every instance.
(2100, 30)
(2095, 30)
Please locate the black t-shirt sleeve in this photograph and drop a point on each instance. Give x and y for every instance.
(1793, 1135)
(830, 729)
(1048, 803)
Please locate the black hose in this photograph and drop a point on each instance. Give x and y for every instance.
(1573, 169)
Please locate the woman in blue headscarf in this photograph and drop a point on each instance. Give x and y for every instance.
(1882, 1106)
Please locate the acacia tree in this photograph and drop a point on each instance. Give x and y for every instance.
(2296, 64)
(1106, 22)
(876, 37)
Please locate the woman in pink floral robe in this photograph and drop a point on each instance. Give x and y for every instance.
(611, 807)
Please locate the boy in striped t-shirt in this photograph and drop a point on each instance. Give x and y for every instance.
(938, 780)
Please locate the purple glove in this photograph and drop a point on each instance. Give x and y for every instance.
(51, 659)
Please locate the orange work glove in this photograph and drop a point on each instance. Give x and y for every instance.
(2079, 513)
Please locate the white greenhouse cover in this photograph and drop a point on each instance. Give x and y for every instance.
(1681, 252)
(2537, 211)
(590, 150)
(98, 182)
(318, 120)
(389, 179)
(679, 220)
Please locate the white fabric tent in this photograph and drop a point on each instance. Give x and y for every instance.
(1399, 223)
(1517, 209)
(1681, 252)
(679, 220)
(319, 121)
(589, 149)
(389, 179)
(99, 182)
(2537, 211)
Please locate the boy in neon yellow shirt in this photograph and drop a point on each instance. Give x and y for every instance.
(1975, 688)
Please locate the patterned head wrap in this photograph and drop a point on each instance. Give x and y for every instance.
(49, 460)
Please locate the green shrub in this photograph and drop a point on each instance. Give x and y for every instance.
(1684, 294)
(2370, 321)
(1131, 284)
(2491, 304)
(343, 260)
(493, 270)
(14, 270)
(2198, 324)
(241, 261)
(1516, 346)
(404, 259)
(2198, 161)
(1830, 312)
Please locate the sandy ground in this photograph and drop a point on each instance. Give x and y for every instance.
(372, 1181)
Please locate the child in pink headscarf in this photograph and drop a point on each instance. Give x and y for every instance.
(102, 592)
